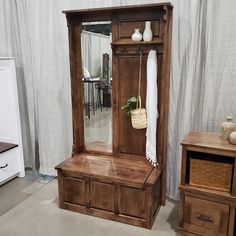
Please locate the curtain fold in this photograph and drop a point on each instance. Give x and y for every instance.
(14, 42)
(49, 51)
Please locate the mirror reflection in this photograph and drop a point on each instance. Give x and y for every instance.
(97, 81)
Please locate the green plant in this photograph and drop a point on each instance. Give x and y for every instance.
(130, 105)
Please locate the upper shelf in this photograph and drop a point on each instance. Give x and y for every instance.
(131, 42)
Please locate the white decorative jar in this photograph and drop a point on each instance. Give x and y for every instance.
(232, 138)
(227, 128)
(147, 35)
(136, 36)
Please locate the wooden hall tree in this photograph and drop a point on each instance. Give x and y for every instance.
(119, 183)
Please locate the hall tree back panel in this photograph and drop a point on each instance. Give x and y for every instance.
(120, 185)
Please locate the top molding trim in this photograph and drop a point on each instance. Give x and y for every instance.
(118, 9)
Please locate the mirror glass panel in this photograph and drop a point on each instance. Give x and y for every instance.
(97, 81)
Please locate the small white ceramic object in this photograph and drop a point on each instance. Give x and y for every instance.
(227, 128)
(136, 36)
(147, 35)
(232, 138)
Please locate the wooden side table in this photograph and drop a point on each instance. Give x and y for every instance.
(208, 209)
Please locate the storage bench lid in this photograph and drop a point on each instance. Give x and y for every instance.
(112, 168)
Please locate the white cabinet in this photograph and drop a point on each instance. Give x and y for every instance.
(11, 161)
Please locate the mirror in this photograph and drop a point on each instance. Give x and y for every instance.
(97, 84)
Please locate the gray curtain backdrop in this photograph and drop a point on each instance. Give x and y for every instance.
(202, 89)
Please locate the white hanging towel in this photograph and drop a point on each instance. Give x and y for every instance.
(151, 107)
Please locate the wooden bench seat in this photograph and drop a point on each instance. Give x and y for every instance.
(108, 167)
(114, 188)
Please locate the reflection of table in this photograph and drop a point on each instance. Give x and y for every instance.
(90, 81)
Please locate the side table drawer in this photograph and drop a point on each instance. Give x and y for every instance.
(205, 217)
(9, 165)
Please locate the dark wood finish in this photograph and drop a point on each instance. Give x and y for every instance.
(117, 182)
(184, 165)
(108, 10)
(6, 146)
(205, 217)
(109, 168)
(232, 221)
(137, 45)
(74, 190)
(77, 96)
(112, 188)
(101, 147)
(156, 194)
(206, 211)
(131, 140)
(181, 210)
(115, 93)
(164, 81)
(216, 195)
(127, 204)
(126, 55)
(234, 178)
(102, 195)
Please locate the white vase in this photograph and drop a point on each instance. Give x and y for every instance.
(232, 137)
(227, 128)
(147, 35)
(136, 36)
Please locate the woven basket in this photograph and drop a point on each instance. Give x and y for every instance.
(139, 116)
(210, 174)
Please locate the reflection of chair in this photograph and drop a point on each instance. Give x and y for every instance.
(90, 94)
(89, 90)
(103, 94)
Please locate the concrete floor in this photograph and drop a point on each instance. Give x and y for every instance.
(31, 208)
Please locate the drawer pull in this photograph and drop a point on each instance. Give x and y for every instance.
(205, 218)
(2, 167)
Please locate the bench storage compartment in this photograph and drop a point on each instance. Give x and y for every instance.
(119, 190)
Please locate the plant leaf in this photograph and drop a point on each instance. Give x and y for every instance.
(130, 105)
(132, 99)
